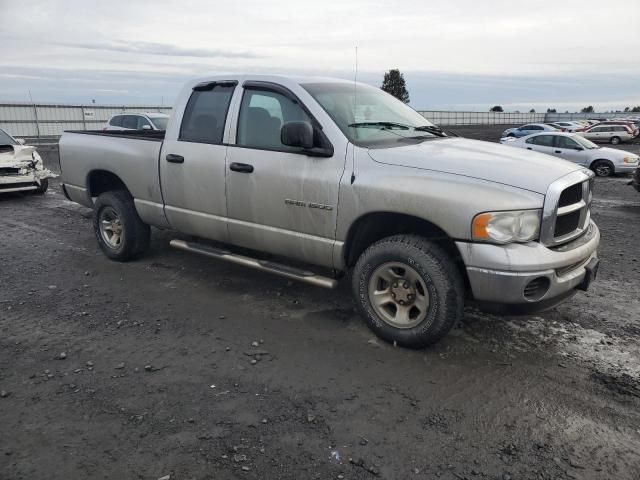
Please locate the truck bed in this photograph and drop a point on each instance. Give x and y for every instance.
(120, 153)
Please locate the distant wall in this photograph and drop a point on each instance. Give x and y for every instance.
(508, 118)
(51, 119)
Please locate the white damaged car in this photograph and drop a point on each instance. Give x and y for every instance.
(21, 167)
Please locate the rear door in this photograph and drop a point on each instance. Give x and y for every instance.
(540, 143)
(280, 200)
(192, 166)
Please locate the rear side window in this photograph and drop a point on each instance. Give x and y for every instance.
(130, 122)
(204, 118)
(542, 140)
(116, 121)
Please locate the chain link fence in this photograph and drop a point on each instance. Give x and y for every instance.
(49, 120)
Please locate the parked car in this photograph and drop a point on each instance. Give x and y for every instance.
(613, 134)
(138, 121)
(627, 123)
(21, 167)
(284, 166)
(567, 126)
(577, 149)
(528, 129)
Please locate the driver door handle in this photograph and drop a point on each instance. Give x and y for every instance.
(241, 167)
(173, 158)
(558, 151)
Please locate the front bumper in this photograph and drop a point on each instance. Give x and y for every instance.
(503, 274)
(626, 168)
(19, 183)
(635, 181)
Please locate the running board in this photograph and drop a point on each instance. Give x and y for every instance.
(263, 265)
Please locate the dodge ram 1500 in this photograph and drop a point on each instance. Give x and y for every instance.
(342, 177)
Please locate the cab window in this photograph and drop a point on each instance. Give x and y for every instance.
(205, 115)
(262, 114)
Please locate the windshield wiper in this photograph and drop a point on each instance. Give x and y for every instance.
(380, 124)
(431, 129)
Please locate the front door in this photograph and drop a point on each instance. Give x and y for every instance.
(192, 167)
(279, 199)
(569, 149)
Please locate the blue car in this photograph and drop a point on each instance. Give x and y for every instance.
(528, 129)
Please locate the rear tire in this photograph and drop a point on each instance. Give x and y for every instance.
(614, 140)
(408, 290)
(603, 168)
(120, 232)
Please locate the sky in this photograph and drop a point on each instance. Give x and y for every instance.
(455, 54)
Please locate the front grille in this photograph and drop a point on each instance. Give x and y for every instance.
(567, 224)
(566, 214)
(570, 195)
(9, 171)
(8, 186)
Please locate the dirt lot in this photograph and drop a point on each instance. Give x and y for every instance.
(176, 365)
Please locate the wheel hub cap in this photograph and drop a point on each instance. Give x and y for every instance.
(398, 295)
(111, 227)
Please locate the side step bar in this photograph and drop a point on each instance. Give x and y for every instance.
(263, 265)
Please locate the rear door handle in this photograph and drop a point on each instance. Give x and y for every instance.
(241, 167)
(558, 151)
(529, 148)
(172, 158)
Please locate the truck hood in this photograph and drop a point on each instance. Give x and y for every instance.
(492, 162)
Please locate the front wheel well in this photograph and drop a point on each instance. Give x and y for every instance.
(101, 181)
(372, 227)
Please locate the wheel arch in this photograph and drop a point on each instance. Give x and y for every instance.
(100, 181)
(374, 226)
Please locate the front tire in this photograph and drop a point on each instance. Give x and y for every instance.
(603, 168)
(120, 232)
(408, 290)
(43, 187)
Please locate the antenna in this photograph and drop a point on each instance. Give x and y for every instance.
(355, 96)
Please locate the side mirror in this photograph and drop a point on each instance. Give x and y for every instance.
(20, 141)
(297, 134)
(146, 127)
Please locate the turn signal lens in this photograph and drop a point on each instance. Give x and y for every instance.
(506, 227)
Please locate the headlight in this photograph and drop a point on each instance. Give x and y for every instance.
(506, 227)
(633, 159)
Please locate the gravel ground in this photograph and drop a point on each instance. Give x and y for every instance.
(176, 365)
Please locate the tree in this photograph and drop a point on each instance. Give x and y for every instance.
(626, 109)
(551, 110)
(588, 109)
(394, 84)
(496, 108)
(635, 109)
(533, 110)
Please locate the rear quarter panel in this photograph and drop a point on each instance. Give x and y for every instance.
(134, 161)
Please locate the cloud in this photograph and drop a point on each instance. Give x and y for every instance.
(169, 50)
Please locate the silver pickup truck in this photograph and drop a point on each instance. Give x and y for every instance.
(320, 177)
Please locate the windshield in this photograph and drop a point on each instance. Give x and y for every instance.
(370, 117)
(159, 122)
(6, 139)
(588, 144)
